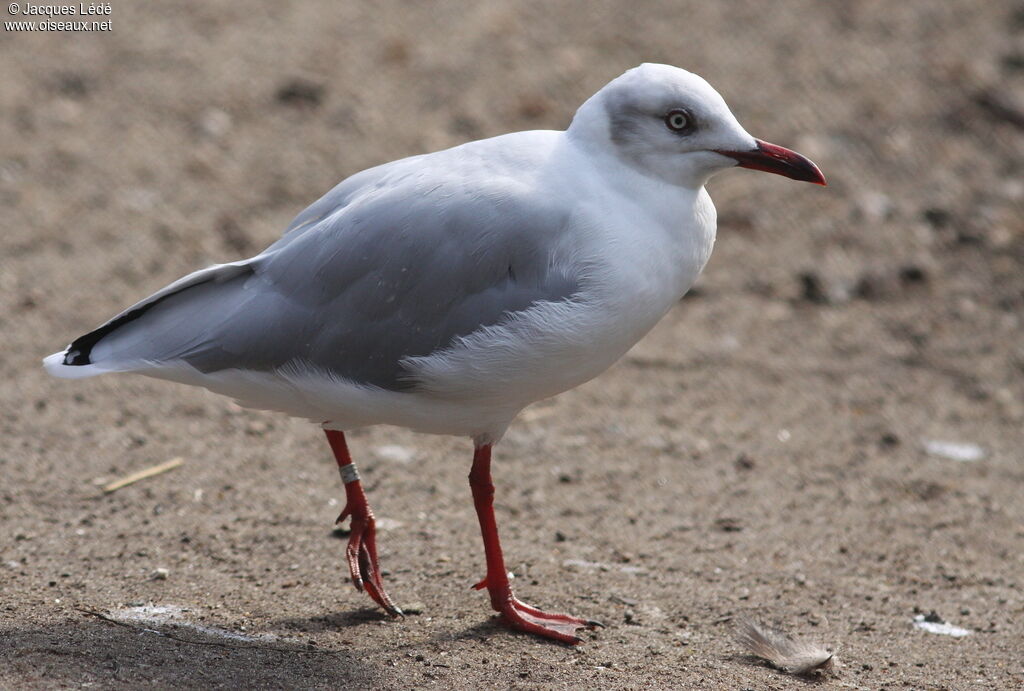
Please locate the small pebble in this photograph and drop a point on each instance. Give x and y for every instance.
(744, 462)
(414, 608)
(300, 93)
(729, 525)
(214, 123)
(874, 207)
(394, 452)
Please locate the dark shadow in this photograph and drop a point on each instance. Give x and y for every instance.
(88, 650)
(754, 661)
(336, 620)
(492, 627)
(488, 627)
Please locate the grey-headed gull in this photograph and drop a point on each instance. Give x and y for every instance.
(448, 291)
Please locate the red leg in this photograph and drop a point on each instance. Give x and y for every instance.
(516, 614)
(361, 552)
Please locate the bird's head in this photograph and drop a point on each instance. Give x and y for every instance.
(671, 124)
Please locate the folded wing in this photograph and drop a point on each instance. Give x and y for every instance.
(389, 265)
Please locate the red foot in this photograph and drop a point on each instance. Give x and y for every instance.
(560, 627)
(361, 552)
(523, 617)
(361, 555)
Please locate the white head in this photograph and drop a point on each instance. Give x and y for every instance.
(672, 125)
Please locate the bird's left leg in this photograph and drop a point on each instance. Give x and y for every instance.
(361, 552)
(516, 614)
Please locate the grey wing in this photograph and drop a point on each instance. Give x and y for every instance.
(342, 194)
(359, 286)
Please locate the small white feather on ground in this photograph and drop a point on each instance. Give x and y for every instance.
(954, 451)
(933, 623)
(784, 652)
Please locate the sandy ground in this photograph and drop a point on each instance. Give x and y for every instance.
(763, 453)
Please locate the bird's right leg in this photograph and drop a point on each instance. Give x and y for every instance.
(514, 612)
(361, 552)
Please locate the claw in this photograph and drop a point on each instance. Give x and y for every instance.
(361, 555)
(352, 552)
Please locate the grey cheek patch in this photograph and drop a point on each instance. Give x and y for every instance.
(625, 122)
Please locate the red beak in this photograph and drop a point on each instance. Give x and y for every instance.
(779, 160)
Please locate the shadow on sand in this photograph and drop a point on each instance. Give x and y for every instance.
(89, 650)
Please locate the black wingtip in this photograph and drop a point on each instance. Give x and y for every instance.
(79, 353)
(75, 357)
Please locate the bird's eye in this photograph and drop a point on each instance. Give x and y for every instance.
(678, 121)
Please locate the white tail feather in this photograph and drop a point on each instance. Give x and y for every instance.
(54, 364)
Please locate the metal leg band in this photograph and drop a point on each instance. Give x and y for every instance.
(348, 473)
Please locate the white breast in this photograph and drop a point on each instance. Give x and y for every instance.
(637, 257)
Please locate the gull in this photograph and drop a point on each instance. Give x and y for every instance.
(446, 292)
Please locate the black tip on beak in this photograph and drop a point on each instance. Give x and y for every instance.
(779, 160)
